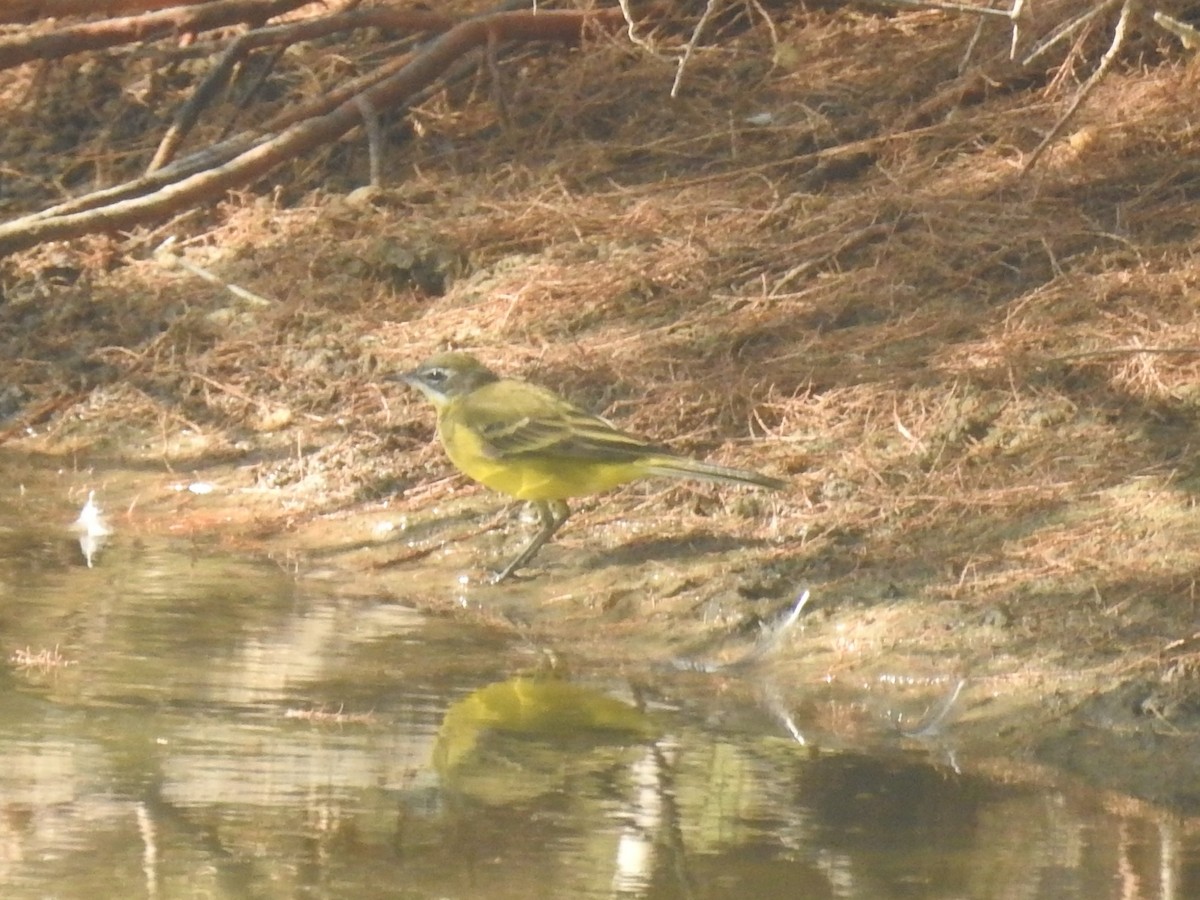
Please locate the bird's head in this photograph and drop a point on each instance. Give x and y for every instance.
(447, 375)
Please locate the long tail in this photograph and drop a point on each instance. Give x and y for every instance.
(682, 467)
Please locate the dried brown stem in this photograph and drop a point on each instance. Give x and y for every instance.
(16, 11)
(283, 35)
(23, 48)
(218, 154)
(395, 91)
(1118, 41)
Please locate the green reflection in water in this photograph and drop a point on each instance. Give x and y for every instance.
(545, 707)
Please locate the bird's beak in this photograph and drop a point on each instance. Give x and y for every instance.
(408, 378)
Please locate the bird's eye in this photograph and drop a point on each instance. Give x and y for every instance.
(436, 375)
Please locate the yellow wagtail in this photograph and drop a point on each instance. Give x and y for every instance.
(523, 440)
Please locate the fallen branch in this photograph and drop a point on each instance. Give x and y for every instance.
(268, 152)
(284, 35)
(220, 153)
(20, 11)
(23, 48)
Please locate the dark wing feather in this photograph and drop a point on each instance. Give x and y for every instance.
(533, 423)
(522, 436)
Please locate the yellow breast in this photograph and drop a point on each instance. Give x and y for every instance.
(530, 476)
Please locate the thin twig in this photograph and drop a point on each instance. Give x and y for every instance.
(252, 90)
(970, 51)
(1065, 30)
(491, 58)
(632, 28)
(769, 641)
(931, 724)
(374, 139)
(709, 7)
(1188, 35)
(189, 112)
(774, 32)
(1018, 9)
(1106, 62)
(165, 256)
(949, 7)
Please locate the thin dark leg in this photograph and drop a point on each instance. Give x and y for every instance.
(553, 513)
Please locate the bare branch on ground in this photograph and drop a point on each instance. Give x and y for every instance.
(251, 156)
(23, 48)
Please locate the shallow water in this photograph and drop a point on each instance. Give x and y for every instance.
(178, 722)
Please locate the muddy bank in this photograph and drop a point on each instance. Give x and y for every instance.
(634, 592)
